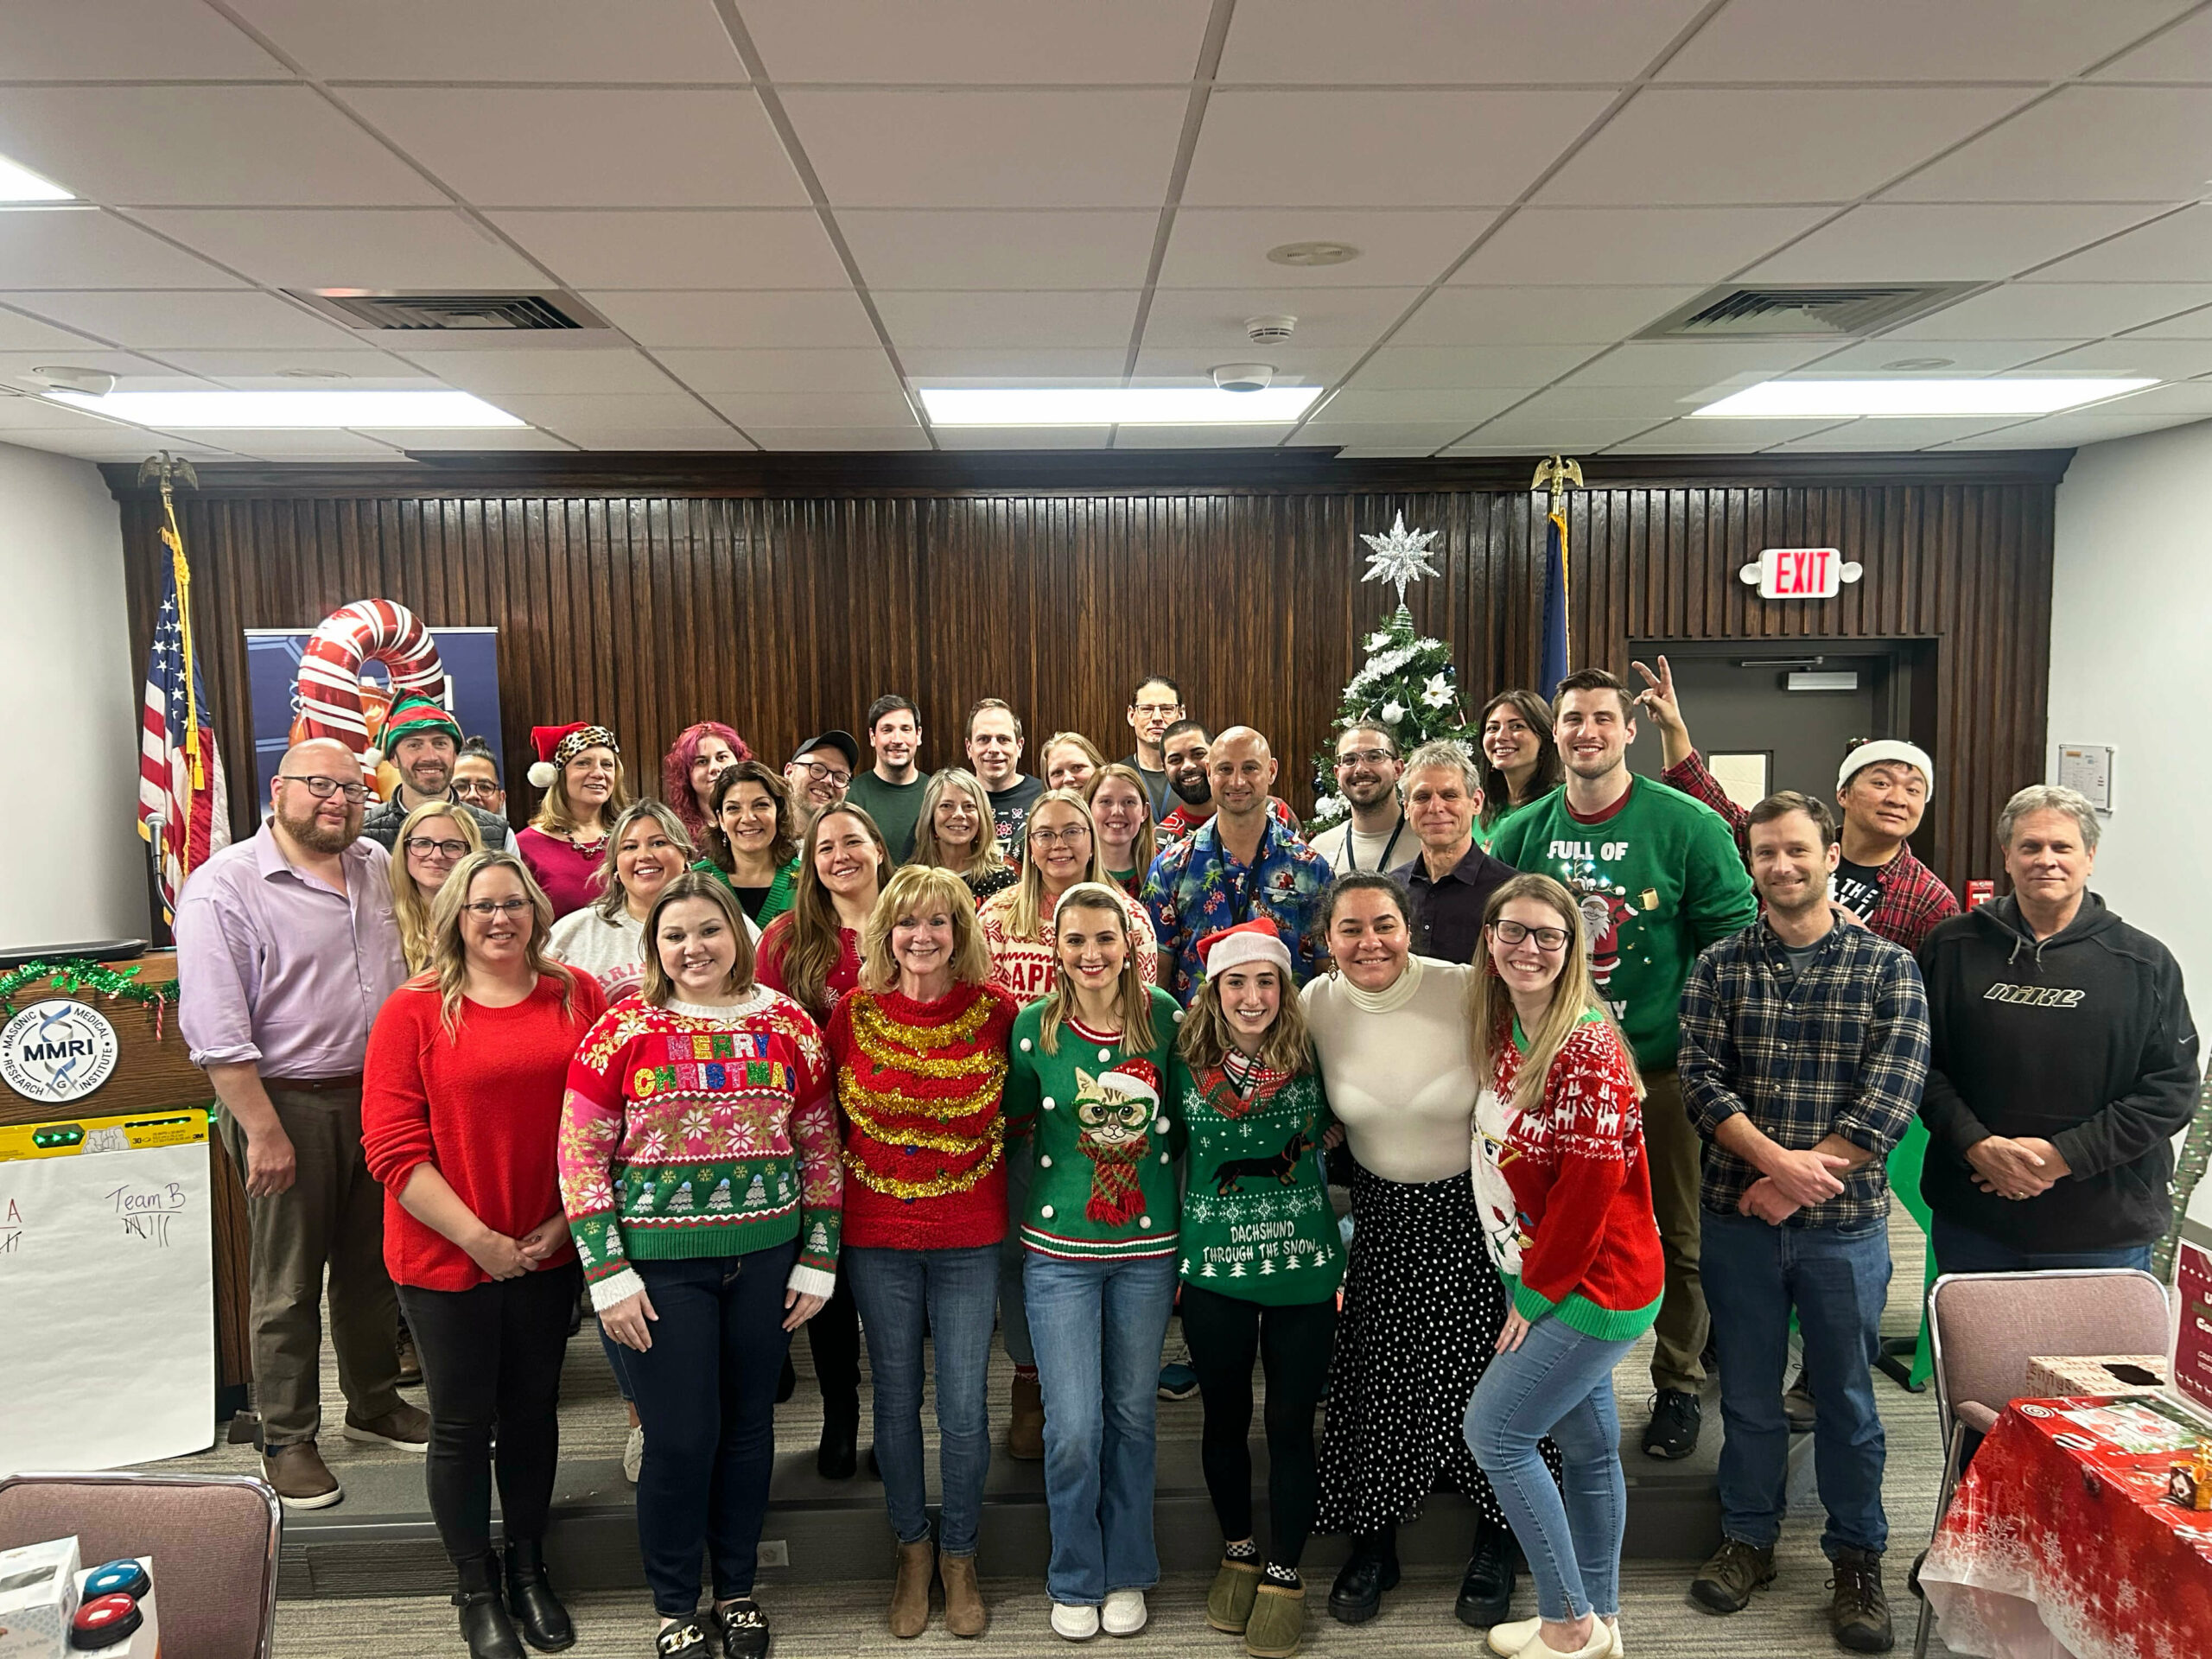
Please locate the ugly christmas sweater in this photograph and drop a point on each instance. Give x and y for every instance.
(1257, 1224)
(692, 1132)
(1563, 1187)
(918, 1087)
(1097, 1123)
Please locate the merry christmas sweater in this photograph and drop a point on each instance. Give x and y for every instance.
(1100, 1129)
(1564, 1188)
(919, 1087)
(692, 1132)
(1658, 879)
(1257, 1224)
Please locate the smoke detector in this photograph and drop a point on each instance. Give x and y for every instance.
(1307, 256)
(1244, 377)
(1268, 331)
(94, 383)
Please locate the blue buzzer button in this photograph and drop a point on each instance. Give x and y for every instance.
(123, 1578)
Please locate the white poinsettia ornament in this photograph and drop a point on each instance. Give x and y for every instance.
(1393, 713)
(1437, 693)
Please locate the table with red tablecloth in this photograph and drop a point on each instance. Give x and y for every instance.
(2059, 1544)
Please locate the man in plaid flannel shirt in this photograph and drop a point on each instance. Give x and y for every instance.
(1804, 1046)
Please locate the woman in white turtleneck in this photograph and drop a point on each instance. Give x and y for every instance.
(1422, 1305)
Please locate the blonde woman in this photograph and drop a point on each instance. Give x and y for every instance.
(647, 850)
(1062, 849)
(460, 1115)
(580, 768)
(1122, 811)
(436, 837)
(1070, 761)
(955, 832)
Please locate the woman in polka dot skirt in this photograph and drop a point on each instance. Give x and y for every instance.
(1084, 1108)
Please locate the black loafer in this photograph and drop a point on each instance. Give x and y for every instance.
(1356, 1596)
(1486, 1591)
(744, 1630)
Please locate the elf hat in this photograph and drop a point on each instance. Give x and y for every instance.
(1137, 1078)
(558, 744)
(1253, 941)
(1886, 748)
(416, 715)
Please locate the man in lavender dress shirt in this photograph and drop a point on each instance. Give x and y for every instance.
(286, 948)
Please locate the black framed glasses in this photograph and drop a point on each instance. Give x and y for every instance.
(488, 908)
(474, 789)
(322, 787)
(424, 846)
(1547, 939)
(822, 774)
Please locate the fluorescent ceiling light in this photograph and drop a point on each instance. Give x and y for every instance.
(1811, 400)
(178, 411)
(21, 184)
(1115, 405)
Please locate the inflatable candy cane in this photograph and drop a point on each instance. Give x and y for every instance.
(330, 687)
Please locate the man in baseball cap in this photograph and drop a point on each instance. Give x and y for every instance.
(421, 738)
(820, 768)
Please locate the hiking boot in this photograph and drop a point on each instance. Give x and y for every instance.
(1676, 1416)
(1229, 1604)
(1724, 1585)
(1858, 1615)
(301, 1479)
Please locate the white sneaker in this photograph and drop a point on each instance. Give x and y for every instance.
(633, 1454)
(1509, 1641)
(1124, 1613)
(1076, 1624)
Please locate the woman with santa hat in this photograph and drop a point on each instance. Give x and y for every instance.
(580, 768)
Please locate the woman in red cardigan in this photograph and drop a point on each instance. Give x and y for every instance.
(1564, 1190)
(461, 1114)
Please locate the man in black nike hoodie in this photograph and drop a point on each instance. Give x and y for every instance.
(2064, 1063)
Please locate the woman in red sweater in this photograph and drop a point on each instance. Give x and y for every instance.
(920, 1052)
(1565, 1194)
(460, 1115)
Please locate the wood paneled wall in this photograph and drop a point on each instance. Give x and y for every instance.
(784, 604)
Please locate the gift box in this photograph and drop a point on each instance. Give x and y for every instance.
(145, 1642)
(38, 1598)
(2057, 1376)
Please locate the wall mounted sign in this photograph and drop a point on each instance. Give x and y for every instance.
(57, 1050)
(1800, 572)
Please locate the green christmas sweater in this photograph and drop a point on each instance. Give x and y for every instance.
(1097, 1127)
(1257, 1224)
(1658, 879)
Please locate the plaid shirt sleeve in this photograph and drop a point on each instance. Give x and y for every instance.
(1913, 900)
(1707, 1061)
(1894, 1066)
(1692, 778)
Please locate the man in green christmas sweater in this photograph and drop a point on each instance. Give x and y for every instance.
(1658, 879)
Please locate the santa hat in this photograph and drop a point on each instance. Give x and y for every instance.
(416, 715)
(1887, 748)
(1137, 1078)
(558, 744)
(1253, 941)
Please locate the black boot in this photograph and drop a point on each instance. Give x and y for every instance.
(484, 1622)
(1486, 1592)
(1356, 1595)
(530, 1601)
(839, 1457)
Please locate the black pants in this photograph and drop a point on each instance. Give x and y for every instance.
(833, 1337)
(492, 1358)
(1293, 1344)
(707, 1394)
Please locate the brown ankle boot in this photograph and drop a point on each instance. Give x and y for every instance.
(964, 1597)
(1025, 1434)
(910, 1591)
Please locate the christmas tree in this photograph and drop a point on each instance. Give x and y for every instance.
(1407, 686)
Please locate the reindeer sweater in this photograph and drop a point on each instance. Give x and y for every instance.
(1097, 1123)
(1257, 1224)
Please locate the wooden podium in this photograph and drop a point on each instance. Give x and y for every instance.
(152, 1074)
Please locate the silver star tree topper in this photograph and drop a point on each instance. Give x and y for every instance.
(1401, 556)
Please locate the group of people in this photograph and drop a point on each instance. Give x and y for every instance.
(894, 1056)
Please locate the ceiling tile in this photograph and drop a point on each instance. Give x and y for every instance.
(1449, 367)
(1384, 438)
(120, 443)
(575, 147)
(1215, 317)
(1572, 402)
(1965, 356)
(1578, 245)
(2190, 325)
(1198, 437)
(805, 438)
(1675, 145)
(398, 248)
(1224, 247)
(470, 438)
(986, 149)
(2189, 397)
(789, 408)
(899, 248)
(2182, 53)
(1023, 437)
(988, 365)
(1909, 39)
(1051, 319)
(500, 39)
(2132, 354)
(1035, 41)
(1294, 366)
(599, 371)
(1378, 149)
(301, 446)
(1695, 364)
(345, 360)
(643, 438)
(1386, 42)
(1716, 437)
(2087, 143)
(766, 370)
(1547, 437)
(81, 247)
(2070, 431)
(16, 366)
(147, 320)
(2068, 311)
(1535, 315)
(555, 410)
(667, 247)
(1954, 243)
(817, 317)
(1888, 435)
(128, 39)
(21, 334)
(2176, 247)
(1468, 406)
(247, 146)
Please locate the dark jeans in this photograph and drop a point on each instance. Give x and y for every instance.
(1292, 1344)
(1837, 1280)
(706, 1390)
(833, 1337)
(491, 1360)
(1960, 1249)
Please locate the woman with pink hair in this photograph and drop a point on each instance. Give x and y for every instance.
(689, 769)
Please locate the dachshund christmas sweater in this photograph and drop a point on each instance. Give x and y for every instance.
(1256, 1220)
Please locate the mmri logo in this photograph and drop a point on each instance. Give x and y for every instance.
(57, 1050)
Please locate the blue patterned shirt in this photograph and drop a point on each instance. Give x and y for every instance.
(1195, 888)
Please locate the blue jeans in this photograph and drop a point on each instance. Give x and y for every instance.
(1837, 1279)
(950, 1293)
(1960, 1249)
(1559, 1382)
(1098, 1327)
(1013, 1316)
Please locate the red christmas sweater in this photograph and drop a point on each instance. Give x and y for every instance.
(918, 1085)
(768, 963)
(1565, 1188)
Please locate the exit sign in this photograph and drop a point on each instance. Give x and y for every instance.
(1800, 573)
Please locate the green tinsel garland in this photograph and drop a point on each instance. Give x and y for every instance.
(82, 974)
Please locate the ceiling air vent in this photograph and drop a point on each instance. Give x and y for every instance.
(1809, 312)
(466, 313)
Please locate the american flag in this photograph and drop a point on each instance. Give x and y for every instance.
(183, 810)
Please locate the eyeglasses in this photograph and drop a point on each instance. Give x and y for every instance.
(822, 774)
(1364, 758)
(424, 847)
(322, 787)
(1067, 838)
(476, 788)
(1547, 939)
(1157, 708)
(487, 908)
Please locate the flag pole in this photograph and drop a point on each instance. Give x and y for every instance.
(167, 469)
(1556, 475)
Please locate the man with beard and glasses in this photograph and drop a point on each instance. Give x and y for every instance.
(1184, 747)
(286, 948)
(1375, 836)
(423, 740)
(1156, 704)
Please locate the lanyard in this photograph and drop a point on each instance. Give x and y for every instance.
(1351, 852)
